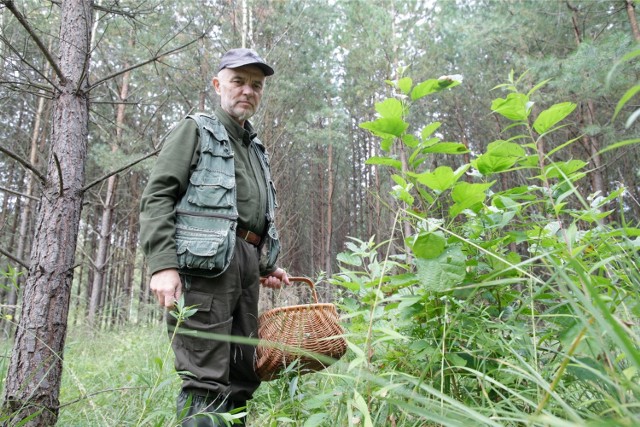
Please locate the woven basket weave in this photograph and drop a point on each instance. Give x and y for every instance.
(297, 333)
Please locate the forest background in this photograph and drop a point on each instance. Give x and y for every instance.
(470, 274)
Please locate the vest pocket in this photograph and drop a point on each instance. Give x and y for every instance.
(200, 249)
(211, 190)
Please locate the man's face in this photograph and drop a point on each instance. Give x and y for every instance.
(240, 91)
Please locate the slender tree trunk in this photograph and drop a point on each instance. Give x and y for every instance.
(35, 370)
(329, 215)
(631, 11)
(26, 211)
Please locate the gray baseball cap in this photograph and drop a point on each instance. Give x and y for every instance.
(239, 57)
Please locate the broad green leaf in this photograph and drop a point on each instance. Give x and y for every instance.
(552, 115)
(404, 84)
(390, 108)
(446, 148)
(399, 180)
(441, 179)
(385, 127)
(505, 149)
(442, 273)
(386, 143)
(428, 245)
(384, 161)
(316, 419)
(466, 196)
(562, 169)
(410, 140)
(350, 259)
(401, 193)
(514, 107)
(430, 86)
(500, 156)
(488, 164)
(430, 129)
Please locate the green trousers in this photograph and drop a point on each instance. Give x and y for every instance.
(226, 305)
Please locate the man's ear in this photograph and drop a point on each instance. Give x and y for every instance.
(216, 84)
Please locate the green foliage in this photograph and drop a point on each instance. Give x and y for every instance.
(515, 306)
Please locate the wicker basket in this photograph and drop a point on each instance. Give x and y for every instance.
(297, 333)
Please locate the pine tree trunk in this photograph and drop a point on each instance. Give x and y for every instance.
(631, 11)
(35, 370)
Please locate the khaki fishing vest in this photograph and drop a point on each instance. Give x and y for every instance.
(207, 214)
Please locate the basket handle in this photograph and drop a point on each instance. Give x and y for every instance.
(308, 282)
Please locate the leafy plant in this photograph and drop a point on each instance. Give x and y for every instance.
(516, 304)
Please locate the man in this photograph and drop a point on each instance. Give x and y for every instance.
(207, 229)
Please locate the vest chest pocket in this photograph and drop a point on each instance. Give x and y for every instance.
(200, 249)
(211, 189)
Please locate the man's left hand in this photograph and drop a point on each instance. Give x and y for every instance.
(275, 279)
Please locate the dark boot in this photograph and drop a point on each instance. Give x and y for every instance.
(195, 410)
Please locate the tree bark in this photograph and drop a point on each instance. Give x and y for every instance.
(631, 11)
(35, 370)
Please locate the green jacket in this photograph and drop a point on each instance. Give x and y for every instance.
(166, 193)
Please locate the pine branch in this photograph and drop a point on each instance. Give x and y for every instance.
(158, 57)
(24, 163)
(17, 193)
(125, 167)
(9, 4)
(14, 258)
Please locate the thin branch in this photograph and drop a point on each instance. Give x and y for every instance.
(29, 64)
(60, 180)
(17, 193)
(9, 4)
(14, 258)
(127, 166)
(13, 85)
(24, 163)
(143, 63)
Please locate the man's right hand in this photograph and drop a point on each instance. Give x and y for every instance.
(167, 287)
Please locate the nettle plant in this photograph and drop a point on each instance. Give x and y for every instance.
(505, 293)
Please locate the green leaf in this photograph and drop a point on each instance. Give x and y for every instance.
(488, 164)
(401, 193)
(349, 258)
(503, 148)
(430, 129)
(552, 115)
(315, 420)
(390, 108)
(442, 273)
(429, 245)
(386, 143)
(442, 178)
(404, 84)
(514, 107)
(432, 86)
(625, 98)
(384, 161)
(410, 140)
(384, 127)
(467, 195)
(562, 169)
(618, 145)
(446, 148)
(500, 156)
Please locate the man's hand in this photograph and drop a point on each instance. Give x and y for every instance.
(275, 279)
(167, 287)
